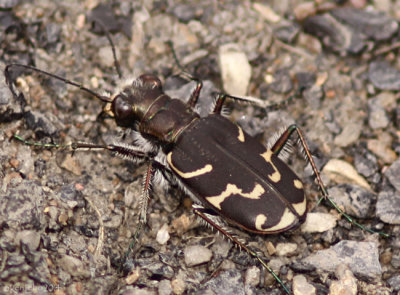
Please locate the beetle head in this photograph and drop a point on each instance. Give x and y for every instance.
(129, 106)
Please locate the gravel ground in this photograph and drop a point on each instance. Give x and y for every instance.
(66, 221)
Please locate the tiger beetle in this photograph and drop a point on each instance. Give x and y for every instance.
(230, 176)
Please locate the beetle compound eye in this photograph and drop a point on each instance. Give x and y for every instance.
(123, 111)
(151, 81)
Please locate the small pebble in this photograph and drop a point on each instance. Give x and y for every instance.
(185, 12)
(106, 56)
(14, 163)
(252, 276)
(350, 134)
(302, 287)
(342, 172)
(388, 207)
(71, 164)
(361, 257)
(235, 69)
(73, 266)
(164, 287)
(227, 282)
(182, 224)
(394, 282)
(396, 259)
(355, 199)
(178, 286)
(377, 118)
(133, 276)
(266, 12)
(63, 218)
(386, 257)
(318, 222)
(383, 76)
(163, 235)
(303, 10)
(29, 238)
(270, 248)
(347, 283)
(366, 163)
(286, 249)
(196, 254)
(382, 148)
(221, 247)
(392, 173)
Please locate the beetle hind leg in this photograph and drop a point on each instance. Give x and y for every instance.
(280, 146)
(216, 223)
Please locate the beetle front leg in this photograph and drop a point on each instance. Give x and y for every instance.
(213, 220)
(143, 204)
(145, 196)
(131, 153)
(123, 151)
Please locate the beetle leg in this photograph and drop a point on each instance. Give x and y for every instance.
(133, 154)
(143, 204)
(219, 103)
(194, 96)
(250, 100)
(221, 97)
(145, 196)
(214, 221)
(279, 146)
(122, 150)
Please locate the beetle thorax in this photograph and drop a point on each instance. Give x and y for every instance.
(145, 107)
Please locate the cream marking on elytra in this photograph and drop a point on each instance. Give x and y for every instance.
(232, 189)
(241, 134)
(287, 219)
(260, 220)
(276, 176)
(300, 208)
(298, 184)
(207, 168)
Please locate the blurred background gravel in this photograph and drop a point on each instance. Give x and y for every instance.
(344, 54)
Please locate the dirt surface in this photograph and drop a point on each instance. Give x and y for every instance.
(67, 221)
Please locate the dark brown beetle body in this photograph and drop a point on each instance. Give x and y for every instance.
(222, 167)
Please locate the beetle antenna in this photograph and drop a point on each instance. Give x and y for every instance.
(176, 60)
(184, 73)
(107, 33)
(75, 84)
